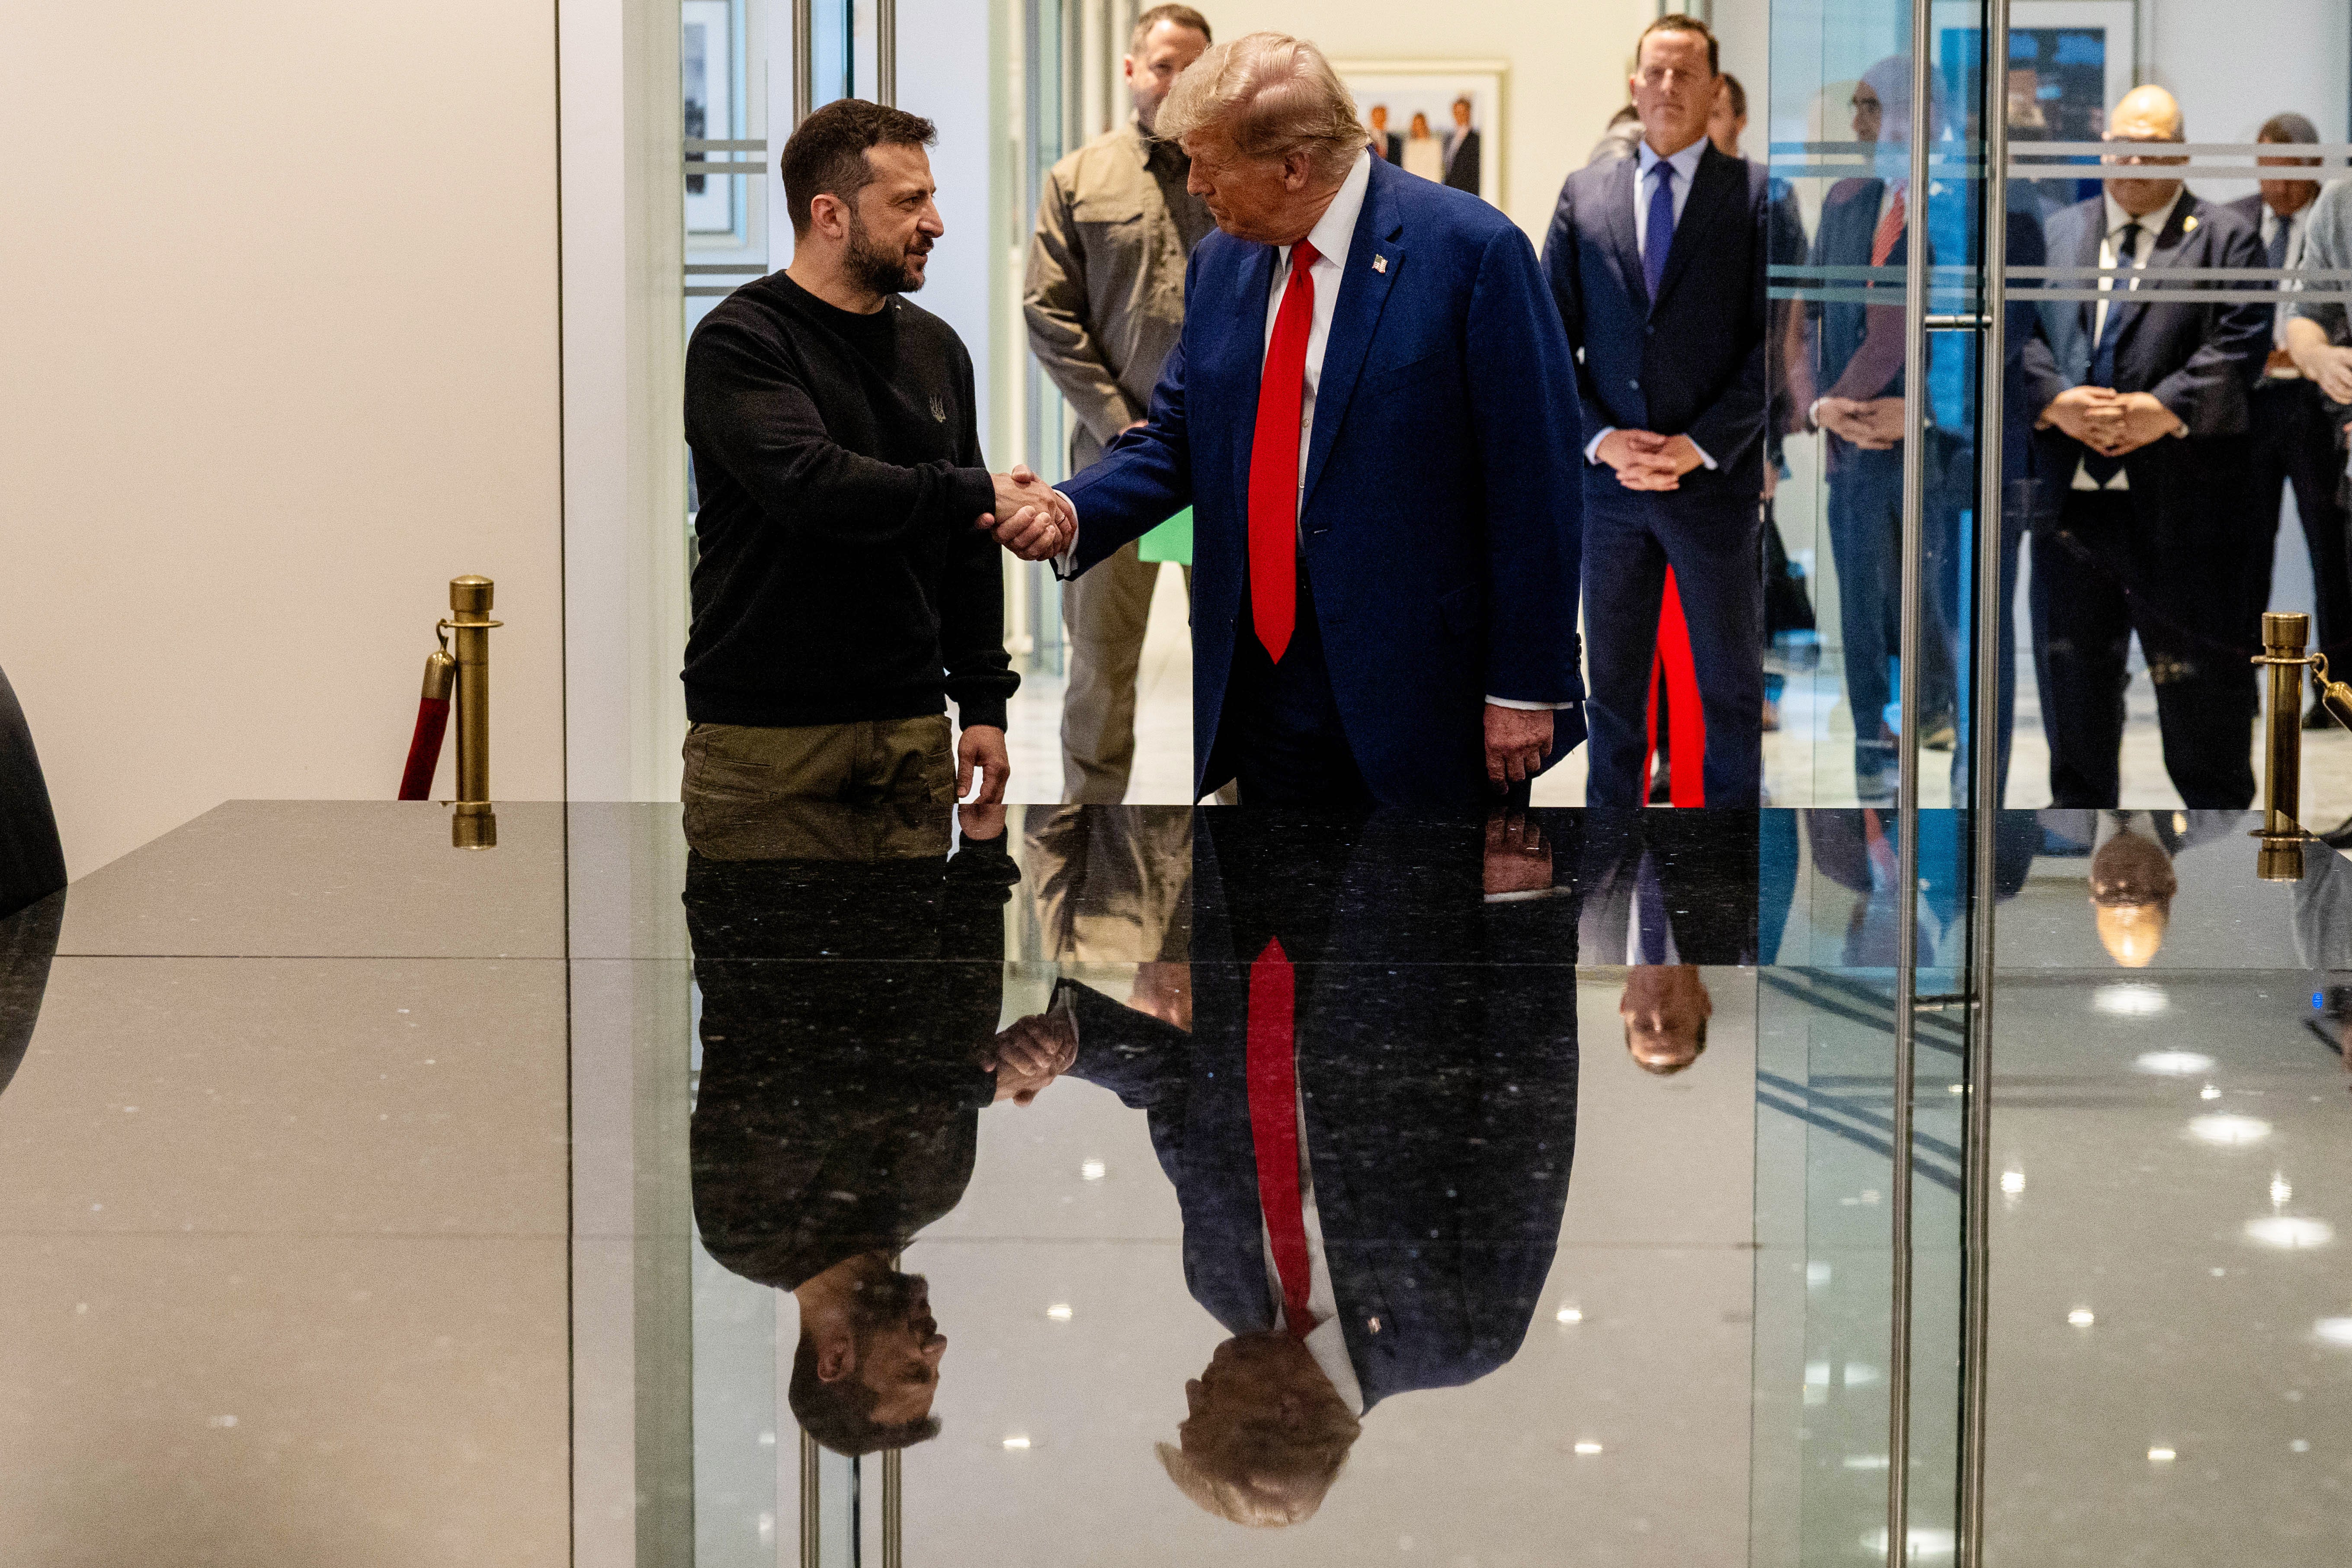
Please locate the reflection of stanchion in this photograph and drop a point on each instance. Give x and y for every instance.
(476, 824)
(2284, 636)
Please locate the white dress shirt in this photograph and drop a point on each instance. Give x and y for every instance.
(1327, 1341)
(2151, 226)
(1685, 167)
(1333, 233)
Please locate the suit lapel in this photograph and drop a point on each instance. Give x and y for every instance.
(1249, 321)
(1624, 245)
(1363, 294)
(1718, 179)
(2170, 246)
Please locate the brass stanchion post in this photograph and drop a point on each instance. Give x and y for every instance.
(2284, 636)
(475, 824)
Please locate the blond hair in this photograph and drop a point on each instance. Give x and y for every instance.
(1274, 95)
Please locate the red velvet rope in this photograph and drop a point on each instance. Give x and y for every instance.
(425, 749)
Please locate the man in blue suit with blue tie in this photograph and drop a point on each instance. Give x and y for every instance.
(1657, 262)
(1370, 414)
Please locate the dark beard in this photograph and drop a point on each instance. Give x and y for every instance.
(877, 268)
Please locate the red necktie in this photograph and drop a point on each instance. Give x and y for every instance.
(1273, 463)
(1274, 1124)
(1890, 230)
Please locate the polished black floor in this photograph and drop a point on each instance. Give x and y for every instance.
(370, 1200)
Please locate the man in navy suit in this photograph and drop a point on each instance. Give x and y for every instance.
(1657, 262)
(1378, 1093)
(1368, 413)
(2142, 460)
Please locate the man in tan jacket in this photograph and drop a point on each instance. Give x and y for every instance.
(1105, 300)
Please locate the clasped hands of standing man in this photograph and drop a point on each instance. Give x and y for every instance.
(2112, 424)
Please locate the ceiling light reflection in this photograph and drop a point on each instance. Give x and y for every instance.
(2012, 1181)
(2173, 1064)
(2082, 1317)
(2290, 1233)
(2334, 1332)
(2161, 1456)
(2130, 1002)
(2225, 1131)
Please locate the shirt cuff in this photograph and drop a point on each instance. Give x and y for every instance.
(1066, 564)
(1592, 447)
(1529, 707)
(1702, 453)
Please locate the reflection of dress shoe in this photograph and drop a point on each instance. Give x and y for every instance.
(1771, 717)
(2339, 837)
(2317, 718)
(1939, 733)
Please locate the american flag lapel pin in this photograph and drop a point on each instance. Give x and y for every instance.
(1380, 263)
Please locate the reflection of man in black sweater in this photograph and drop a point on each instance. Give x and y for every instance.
(843, 592)
(849, 1011)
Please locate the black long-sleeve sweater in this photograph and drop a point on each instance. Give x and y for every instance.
(838, 459)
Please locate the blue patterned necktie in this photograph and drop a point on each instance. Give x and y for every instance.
(1660, 236)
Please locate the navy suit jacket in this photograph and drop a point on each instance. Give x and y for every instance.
(1440, 1091)
(1441, 519)
(2200, 361)
(1692, 362)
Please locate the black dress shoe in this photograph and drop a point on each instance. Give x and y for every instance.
(2339, 837)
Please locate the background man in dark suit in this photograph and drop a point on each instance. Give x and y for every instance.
(1378, 1089)
(2142, 462)
(2292, 429)
(1368, 412)
(1462, 169)
(1657, 263)
(1388, 144)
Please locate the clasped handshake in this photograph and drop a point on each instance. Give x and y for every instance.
(1033, 519)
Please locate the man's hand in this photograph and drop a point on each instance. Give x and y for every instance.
(980, 747)
(981, 823)
(2092, 415)
(1863, 424)
(1164, 990)
(1645, 460)
(1630, 452)
(1033, 519)
(2146, 420)
(2331, 367)
(1030, 1055)
(1518, 740)
(1518, 860)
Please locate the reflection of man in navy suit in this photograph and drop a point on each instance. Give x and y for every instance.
(1657, 263)
(1664, 892)
(1368, 1127)
(1368, 413)
(1462, 151)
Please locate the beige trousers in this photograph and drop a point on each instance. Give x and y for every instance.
(1104, 613)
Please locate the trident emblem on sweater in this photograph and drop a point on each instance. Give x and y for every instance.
(939, 408)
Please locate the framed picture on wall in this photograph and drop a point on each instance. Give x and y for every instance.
(706, 54)
(2069, 62)
(1441, 120)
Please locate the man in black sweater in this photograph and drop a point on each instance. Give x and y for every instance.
(843, 592)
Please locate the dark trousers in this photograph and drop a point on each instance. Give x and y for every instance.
(1280, 731)
(2103, 573)
(2295, 444)
(1629, 539)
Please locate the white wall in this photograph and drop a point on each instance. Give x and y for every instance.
(280, 329)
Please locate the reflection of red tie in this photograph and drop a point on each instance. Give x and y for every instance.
(1274, 462)
(1274, 1124)
(1890, 230)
